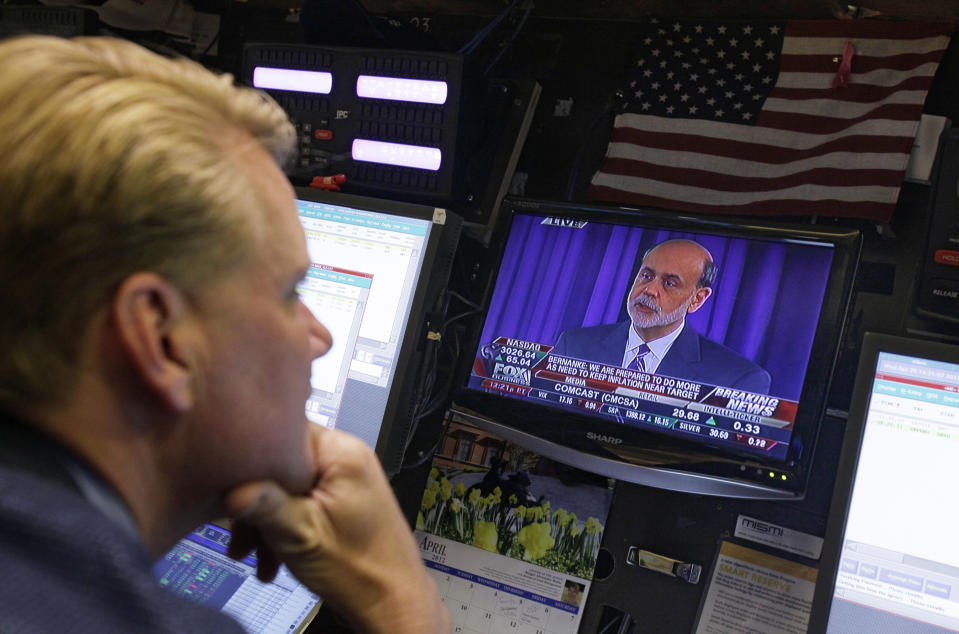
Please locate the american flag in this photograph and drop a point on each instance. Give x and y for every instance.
(744, 118)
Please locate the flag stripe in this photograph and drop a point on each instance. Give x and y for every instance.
(879, 77)
(866, 145)
(829, 64)
(850, 113)
(887, 115)
(854, 93)
(815, 44)
(825, 107)
(754, 134)
(868, 29)
(770, 153)
(683, 192)
(786, 207)
(671, 156)
(738, 183)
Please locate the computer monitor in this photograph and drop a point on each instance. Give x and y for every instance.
(732, 408)
(890, 559)
(378, 270)
(199, 569)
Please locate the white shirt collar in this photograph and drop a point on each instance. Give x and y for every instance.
(658, 347)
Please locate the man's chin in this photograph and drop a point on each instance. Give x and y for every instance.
(299, 480)
(640, 323)
(304, 478)
(297, 475)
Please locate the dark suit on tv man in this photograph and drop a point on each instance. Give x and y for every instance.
(675, 279)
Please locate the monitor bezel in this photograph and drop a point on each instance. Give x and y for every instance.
(690, 466)
(397, 423)
(873, 343)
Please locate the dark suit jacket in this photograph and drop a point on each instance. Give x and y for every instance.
(66, 567)
(692, 356)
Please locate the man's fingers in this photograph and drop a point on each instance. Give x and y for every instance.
(267, 565)
(283, 523)
(243, 539)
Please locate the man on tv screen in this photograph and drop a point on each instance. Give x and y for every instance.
(675, 279)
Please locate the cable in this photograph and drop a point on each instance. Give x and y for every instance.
(432, 450)
(309, 171)
(429, 400)
(424, 382)
(440, 396)
(528, 8)
(466, 301)
(480, 35)
(223, 20)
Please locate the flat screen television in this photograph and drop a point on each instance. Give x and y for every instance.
(890, 562)
(729, 393)
(379, 269)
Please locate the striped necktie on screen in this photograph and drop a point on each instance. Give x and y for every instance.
(638, 361)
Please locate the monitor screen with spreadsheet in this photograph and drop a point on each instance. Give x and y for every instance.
(378, 268)
(199, 569)
(891, 559)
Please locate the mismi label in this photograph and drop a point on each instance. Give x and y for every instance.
(770, 534)
(761, 527)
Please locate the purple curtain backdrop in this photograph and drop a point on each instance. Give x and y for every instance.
(765, 303)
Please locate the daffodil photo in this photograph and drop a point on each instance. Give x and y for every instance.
(506, 506)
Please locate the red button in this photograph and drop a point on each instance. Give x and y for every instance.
(947, 257)
(323, 135)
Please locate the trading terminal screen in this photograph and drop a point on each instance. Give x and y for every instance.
(199, 569)
(365, 267)
(898, 568)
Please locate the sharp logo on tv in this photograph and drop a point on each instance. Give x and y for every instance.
(563, 222)
(609, 440)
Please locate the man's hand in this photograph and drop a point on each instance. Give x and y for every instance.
(347, 540)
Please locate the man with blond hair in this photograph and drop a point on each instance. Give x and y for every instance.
(156, 355)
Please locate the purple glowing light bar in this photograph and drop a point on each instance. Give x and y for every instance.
(317, 82)
(398, 89)
(427, 158)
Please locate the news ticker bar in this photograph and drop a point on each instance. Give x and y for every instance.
(530, 371)
(625, 395)
(690, 424)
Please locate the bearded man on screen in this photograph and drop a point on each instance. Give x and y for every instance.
(675, 279)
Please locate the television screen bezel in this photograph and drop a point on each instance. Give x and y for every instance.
(441, 244)
(634, 454)
(872, 345)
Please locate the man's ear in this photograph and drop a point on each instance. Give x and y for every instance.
(699, 298)
(150, 317)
